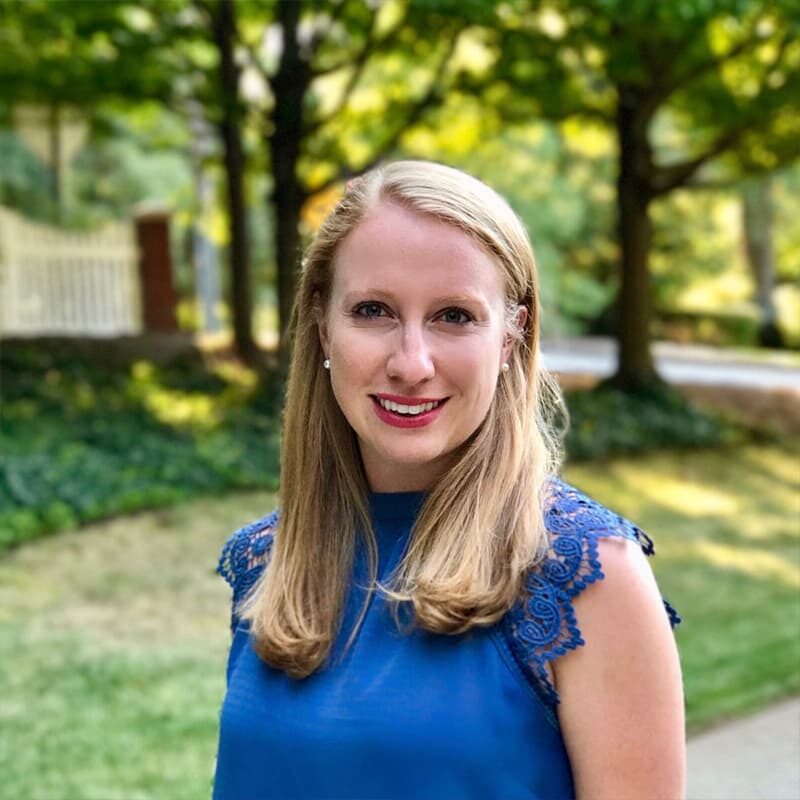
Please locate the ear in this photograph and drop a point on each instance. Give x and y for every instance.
(520, 318)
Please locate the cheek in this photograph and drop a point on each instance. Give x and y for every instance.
(355, 352)
(356, 362)
(476, 363)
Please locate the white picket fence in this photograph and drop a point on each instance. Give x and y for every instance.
(56, 282)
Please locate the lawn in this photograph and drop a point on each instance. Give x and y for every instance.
(726, 525)
(113, 637)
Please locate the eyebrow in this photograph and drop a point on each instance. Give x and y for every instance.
(379, 294)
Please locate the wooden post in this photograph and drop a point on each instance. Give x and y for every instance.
(159, 297)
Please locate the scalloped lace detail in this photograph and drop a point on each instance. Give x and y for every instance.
(542, 626)
(244, 557)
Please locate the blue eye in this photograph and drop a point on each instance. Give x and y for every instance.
(369, 310)
(455, 316)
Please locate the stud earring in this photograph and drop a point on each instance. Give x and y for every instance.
(505, 366)
(326, 363)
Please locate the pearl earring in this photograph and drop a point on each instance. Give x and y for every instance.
(505, 366)
(326, 363)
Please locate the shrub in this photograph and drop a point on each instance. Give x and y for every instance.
(605, 421)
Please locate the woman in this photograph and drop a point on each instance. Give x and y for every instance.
(427, 617)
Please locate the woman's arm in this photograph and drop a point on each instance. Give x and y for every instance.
(621, 709)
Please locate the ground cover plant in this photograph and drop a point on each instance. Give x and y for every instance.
(605, 421)
(80, 441)
(113, 638)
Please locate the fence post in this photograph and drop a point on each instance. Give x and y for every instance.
(159, 297)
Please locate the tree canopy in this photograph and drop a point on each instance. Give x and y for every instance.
(682, 85)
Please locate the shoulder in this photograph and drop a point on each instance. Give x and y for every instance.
(619, 687)
(586, 540)
(245, 555)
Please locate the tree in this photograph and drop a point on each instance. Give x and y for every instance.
(681, 85)
(315, 61)
(222, 17)
(757, 219)
(71, 57)
(84, 54)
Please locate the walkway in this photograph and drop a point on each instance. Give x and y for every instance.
(685, 364)
(755, 758)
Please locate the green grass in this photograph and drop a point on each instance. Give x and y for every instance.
(113, 638)
(113, 641)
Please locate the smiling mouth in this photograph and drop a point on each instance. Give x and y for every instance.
(408, 409)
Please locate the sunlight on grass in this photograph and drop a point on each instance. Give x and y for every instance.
(726, 526)
(179, 408)
(236, 373)
(197, 409)
(748, 561)
(113, 643)
(687, 496)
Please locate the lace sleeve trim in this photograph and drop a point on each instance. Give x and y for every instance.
(244, 557)
(542, 626)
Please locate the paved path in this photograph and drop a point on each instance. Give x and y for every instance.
(695, 364)
(755, 758)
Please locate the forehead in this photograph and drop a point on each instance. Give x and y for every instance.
(403, 250)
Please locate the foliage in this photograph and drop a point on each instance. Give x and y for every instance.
(716, 76)
(606, 421)
(81, 443)
(113, 66)
(127, 163)
(79, 52)
(465, 82)
(332, 87)
(23, 181)
(718, 329)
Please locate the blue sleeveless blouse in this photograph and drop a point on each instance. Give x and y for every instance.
(413, 714)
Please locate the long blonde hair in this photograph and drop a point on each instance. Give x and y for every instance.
(481, 526)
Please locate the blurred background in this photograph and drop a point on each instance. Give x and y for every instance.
(162, 165)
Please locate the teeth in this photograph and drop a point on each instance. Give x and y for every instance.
(400, 408)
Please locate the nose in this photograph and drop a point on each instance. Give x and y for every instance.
(410, 361)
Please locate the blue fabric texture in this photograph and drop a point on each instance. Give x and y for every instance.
(402, 715)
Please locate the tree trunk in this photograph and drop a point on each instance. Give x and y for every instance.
(224, 25)
(757, 224)
(635, 367)
(56, 159)
(289, 87)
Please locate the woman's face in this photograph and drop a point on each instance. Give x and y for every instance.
(416, 336)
